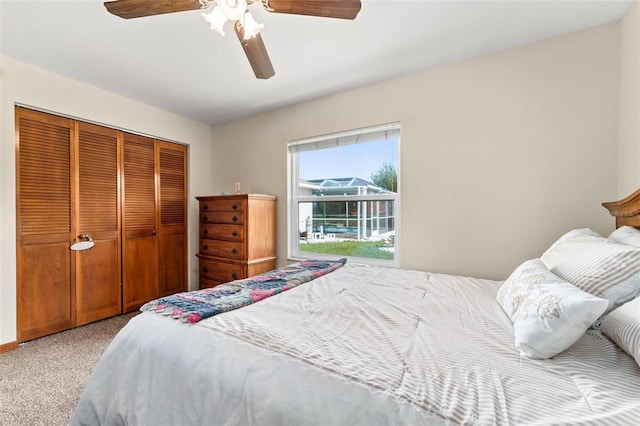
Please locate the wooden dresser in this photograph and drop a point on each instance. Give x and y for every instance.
(237, 237)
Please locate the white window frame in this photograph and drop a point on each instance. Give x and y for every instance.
(361, 135)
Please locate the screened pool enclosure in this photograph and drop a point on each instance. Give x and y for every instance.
(356, 220)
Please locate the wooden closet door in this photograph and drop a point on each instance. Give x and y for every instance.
(172, 160)
(139, 225)
(45, 283)
(98, 292)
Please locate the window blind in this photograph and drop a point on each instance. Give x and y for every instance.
(333, 140)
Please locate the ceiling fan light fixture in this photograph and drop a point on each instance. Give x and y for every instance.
(217, 20)
(233, 10)
(245, 26)
(251, 27)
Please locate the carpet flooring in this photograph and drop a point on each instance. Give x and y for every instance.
(41, 381)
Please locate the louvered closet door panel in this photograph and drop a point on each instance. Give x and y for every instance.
(98, 293)
(45, 287)
(139, 226)
(173, 214)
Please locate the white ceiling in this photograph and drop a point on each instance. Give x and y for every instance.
(177, 63)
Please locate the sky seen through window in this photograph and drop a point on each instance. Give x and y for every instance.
(355, 160)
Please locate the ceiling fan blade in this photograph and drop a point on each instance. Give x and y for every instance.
(343, 9)
(256, 53)
(139, 8)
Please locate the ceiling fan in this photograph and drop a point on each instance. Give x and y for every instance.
(246, 28)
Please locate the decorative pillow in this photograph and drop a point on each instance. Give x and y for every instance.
(597, 265)
(548, 314)
(623, 327)
(626, 235)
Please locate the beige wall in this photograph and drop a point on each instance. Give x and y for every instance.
(499, 154)
(629, 107)
(27, 85)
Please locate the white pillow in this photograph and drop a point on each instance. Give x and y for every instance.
(571, 234)
(623, 327)
(626, 235)
(597, 265)
(548, 314)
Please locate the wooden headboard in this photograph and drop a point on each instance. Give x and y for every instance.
(626, 211)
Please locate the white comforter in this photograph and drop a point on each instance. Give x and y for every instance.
(360, 346)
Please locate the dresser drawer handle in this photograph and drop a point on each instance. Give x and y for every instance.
(235, 207)
(234, 233)
(206, 247)
(205, 270)
(205, 207)
(234, 251)
(234, 276)
(205, 232)
(205, 218)
(235, 218)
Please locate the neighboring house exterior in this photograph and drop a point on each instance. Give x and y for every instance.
(345, 219)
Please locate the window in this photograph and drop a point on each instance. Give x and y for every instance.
(344, 196)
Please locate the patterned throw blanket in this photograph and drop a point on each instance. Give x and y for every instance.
(196, 305)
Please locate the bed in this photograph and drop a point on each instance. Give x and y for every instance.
(369, 345)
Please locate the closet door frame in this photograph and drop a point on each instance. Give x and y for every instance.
(58, 288)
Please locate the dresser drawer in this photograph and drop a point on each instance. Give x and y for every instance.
(222, 217)
(222, 204)
(222, 232)
(226, 249)
(221, 272)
